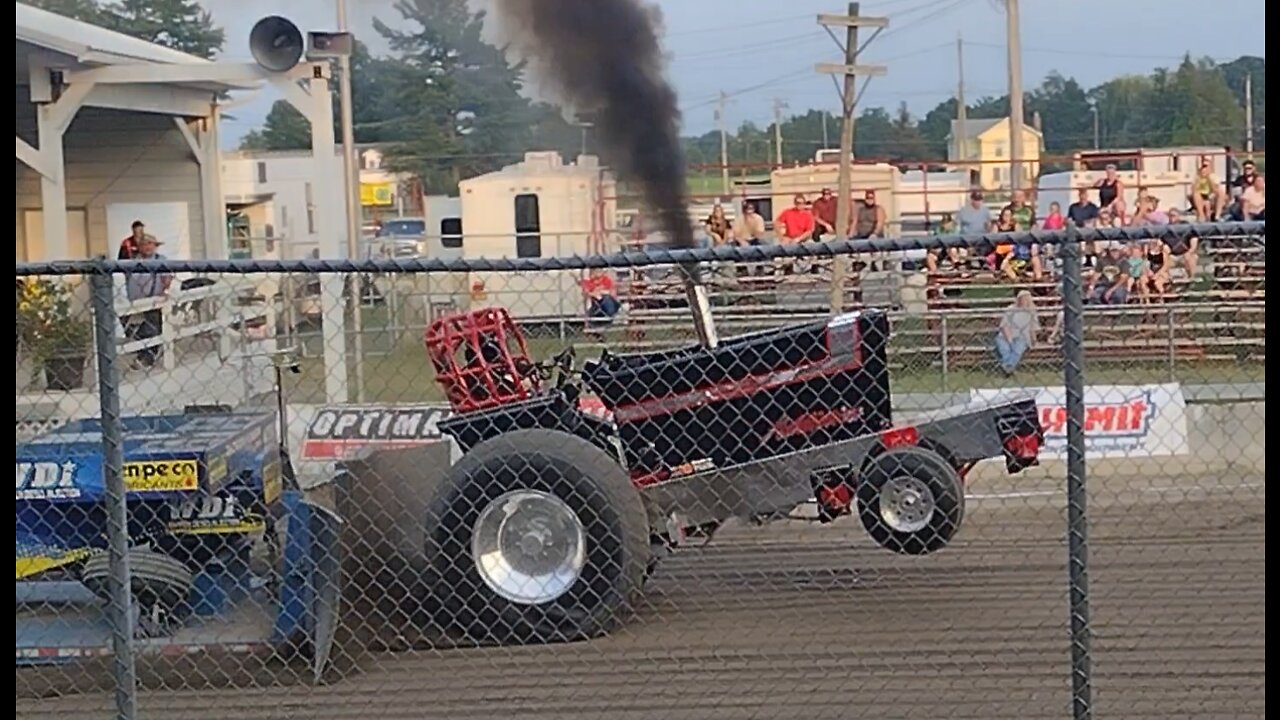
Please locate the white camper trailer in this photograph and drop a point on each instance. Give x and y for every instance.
(538, 208)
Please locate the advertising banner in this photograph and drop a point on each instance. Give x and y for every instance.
(1119, 420)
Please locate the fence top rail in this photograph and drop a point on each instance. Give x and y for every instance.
(650, 256)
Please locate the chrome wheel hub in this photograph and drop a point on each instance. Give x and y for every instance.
(906, 504)
(529, 546)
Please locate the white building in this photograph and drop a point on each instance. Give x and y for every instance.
(96, 150)
(111, 129)
(272, 199)
(540, 207)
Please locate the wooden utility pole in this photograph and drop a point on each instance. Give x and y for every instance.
(962, 110)
(724, 143)
(1248, 115)
(850, 69)
(778, 106)
(1014, 41)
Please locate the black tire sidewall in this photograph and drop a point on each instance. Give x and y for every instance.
(599, 492)
(942, 480)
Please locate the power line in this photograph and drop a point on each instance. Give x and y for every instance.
(730, 52)
(1090, 53)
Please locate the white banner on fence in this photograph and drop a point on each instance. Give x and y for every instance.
(1119, 420)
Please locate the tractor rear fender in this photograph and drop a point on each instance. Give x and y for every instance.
(555, 411)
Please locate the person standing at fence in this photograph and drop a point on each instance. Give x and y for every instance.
(129, 245)
(1017, 333)
(140, 285)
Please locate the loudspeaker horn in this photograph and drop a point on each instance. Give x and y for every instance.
(276, 43)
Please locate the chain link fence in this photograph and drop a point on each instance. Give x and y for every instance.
(1017, 476)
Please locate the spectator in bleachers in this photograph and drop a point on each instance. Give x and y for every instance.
(1207, 197)
(1248, 171)
(1023, 257)
(870, 219)
(1083, 212)
(1054, 220)
(1139, 270)
(1253, 201)
(1158, 260)
(974, 218)
(956, 256)
(1109, 283)
(601, 294)
(795, 224)
(719, 229)
(1004, 223)
(1242, 182)
(1017, 333)
(1185, 250)
(1111, 193)
(1107, 219)
(824, 215)
(1147, 212)
(750, 227)
(1024, 216)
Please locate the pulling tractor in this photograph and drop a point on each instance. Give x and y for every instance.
(575, 481)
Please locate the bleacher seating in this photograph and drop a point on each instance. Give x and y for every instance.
(1218, 315)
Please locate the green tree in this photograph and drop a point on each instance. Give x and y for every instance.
(1126, 116)
(1203, 109)
(461, 111)
(872, 134)
(906, 144)
(284, 129)
(1064, 110)
(179, 24)
(1235, 73)
(84, 10)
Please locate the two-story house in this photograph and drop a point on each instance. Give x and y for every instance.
(981, 147)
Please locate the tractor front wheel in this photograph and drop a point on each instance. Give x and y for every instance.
(536, 536)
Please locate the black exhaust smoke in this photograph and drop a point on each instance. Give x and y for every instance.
(604, 58)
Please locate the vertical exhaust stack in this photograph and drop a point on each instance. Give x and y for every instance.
(603, 57)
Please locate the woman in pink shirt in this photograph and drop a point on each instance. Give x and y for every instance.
(1055, 220)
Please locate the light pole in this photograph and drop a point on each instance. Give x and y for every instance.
(1097, 134)
(351, 184)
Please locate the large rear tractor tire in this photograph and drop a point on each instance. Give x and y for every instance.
(910, 500)
(536, 536)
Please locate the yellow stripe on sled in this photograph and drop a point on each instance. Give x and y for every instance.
(36, 564)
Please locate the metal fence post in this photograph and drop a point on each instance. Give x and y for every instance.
(102, 301)
(946, 340)
(1077, 511)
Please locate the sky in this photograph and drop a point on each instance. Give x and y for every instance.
(760, 51)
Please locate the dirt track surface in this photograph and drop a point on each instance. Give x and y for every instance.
(807, 622)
